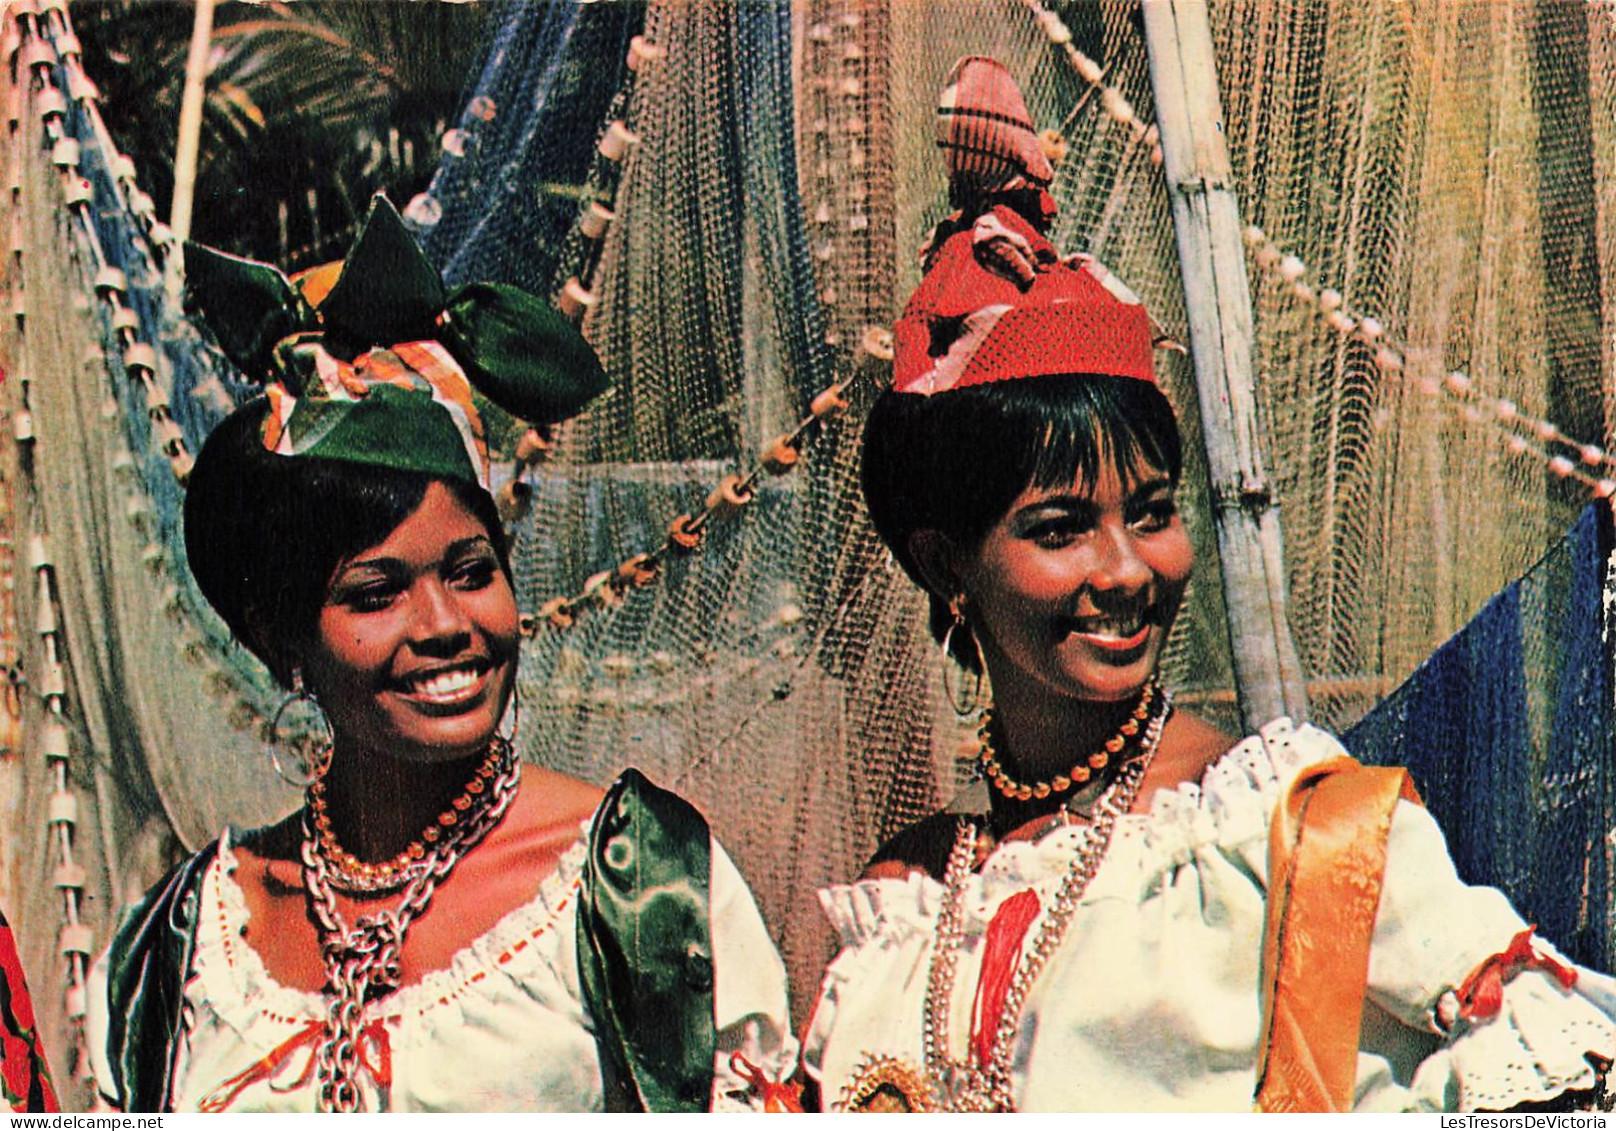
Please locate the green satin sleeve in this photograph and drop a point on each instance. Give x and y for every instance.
(645, 951)
(148, 964)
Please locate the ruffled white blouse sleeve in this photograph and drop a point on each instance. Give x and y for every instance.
(1151, 1001)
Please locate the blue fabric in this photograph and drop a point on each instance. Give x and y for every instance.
(1507, 731)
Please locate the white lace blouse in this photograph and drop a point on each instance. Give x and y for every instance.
(502, 1028)
(1151, 1001)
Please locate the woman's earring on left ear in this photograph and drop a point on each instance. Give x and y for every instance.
(964, 708)
(513, 715)
(301, 728)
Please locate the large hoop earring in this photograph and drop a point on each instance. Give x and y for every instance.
(964, 708)
(313, 754)
(513, 713)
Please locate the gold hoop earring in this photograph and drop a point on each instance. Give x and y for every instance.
(964, 708)
(313, 754)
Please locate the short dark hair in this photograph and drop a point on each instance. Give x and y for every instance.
(955, 461)
(264, 533)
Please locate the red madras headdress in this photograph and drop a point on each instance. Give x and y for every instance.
(998, 302)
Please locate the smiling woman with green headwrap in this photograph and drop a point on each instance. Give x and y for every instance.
(438, 927)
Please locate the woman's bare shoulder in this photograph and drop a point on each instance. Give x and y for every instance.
(548, 810)
(1189, 744)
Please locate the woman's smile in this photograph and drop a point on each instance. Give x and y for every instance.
(1074, 590)
(417, 641)
(455, 687)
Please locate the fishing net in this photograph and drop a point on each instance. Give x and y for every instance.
(1427, 289)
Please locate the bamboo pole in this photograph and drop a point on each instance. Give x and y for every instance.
(188, 144)
(1206, 218)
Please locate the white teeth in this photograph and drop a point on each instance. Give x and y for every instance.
(446, 684)
(1118, 630)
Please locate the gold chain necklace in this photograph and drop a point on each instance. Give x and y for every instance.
(993, 769)
(965, 1085)
(350, 874)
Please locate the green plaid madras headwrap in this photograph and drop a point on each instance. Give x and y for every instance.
(372, 361)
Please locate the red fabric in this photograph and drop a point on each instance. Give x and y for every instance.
(778, 1098)
(24, 1074)
(985, 132)
(309, 1037)
(1482, 994)
(999, 304)
(1001, 954)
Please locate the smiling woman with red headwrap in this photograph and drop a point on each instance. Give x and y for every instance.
(438, 928)
(1132, 911)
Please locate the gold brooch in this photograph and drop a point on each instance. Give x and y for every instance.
(885, 1084)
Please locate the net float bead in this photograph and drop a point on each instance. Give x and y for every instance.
(1591, 454)
(642, 51)
(1090, 71)
(594, 220)
(558, 612)
(828, 403)
(599, 588)
(38, 56)
(781, 456)
(533, 447)
(512, 501)
(140, 356)
(638, 571)
(617, 141)
(575, 299)
(682, 535)
(728, 496)
(81, 87)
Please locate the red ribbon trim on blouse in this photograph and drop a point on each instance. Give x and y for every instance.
(1001, 950)
(778, 1097)
(1482, 994)
(373, 1035)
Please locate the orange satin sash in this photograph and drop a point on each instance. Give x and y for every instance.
(1326, 863)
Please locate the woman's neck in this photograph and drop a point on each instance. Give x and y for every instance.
(1038, 737)
(380, 805)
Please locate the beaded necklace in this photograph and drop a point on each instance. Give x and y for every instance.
(967, 1084)
(368, 956)
(1082, 771)
(348, 873)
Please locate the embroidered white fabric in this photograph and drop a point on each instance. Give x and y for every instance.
(502, 1028)
(1151, 1003)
